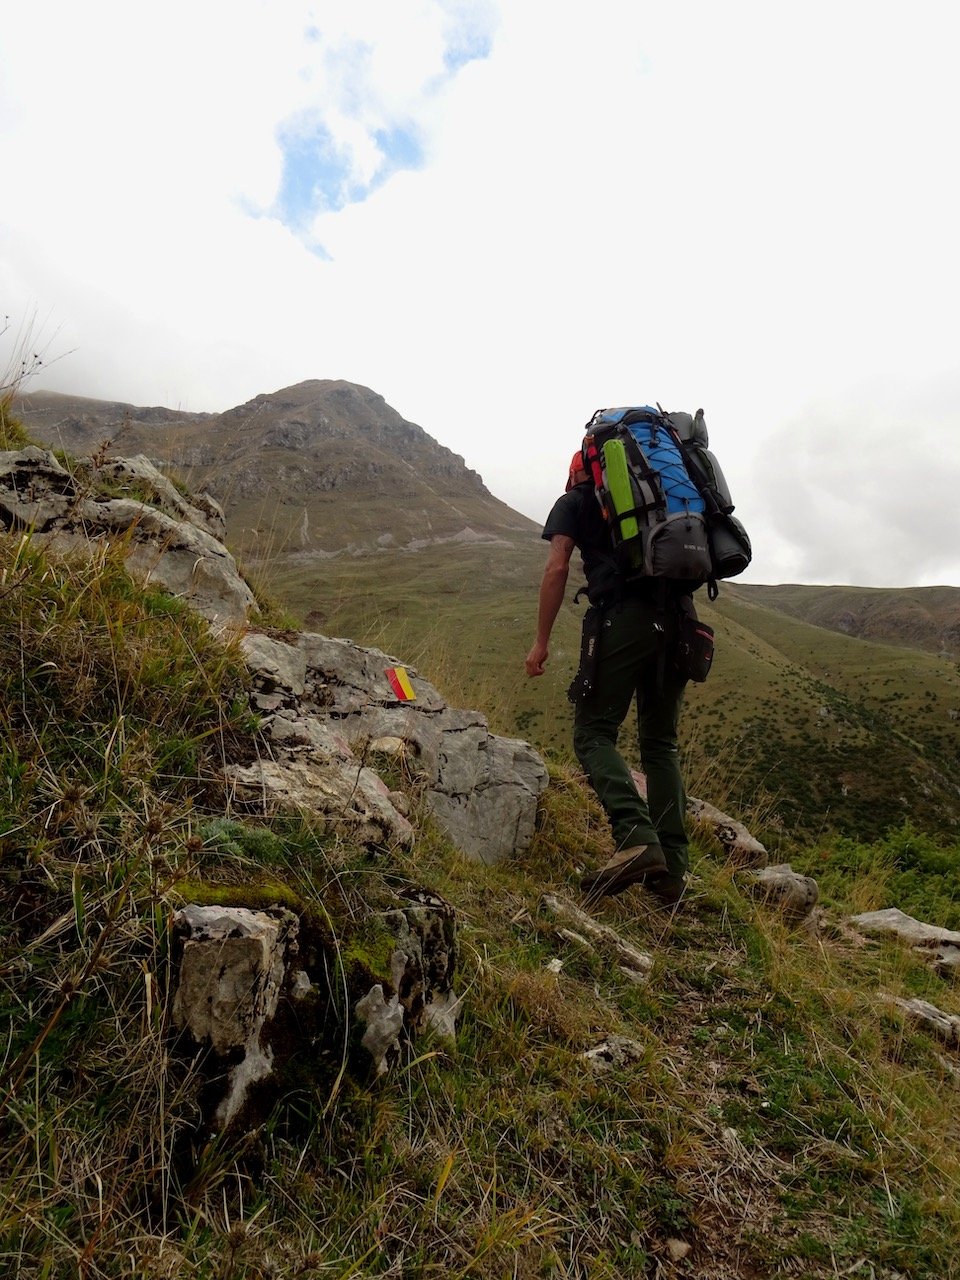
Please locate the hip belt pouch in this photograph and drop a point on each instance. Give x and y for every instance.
(694, 655)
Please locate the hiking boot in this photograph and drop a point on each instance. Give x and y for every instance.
(625, 868)
(666, 887)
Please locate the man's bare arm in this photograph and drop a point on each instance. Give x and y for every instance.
(552, 588)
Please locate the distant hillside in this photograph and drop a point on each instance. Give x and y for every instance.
(918, 617)
(841, 733)
(313, 470)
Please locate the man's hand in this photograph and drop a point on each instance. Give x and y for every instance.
(536, 659)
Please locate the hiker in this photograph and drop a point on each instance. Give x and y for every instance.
(629, 630)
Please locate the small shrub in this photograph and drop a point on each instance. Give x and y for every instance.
(13, 435)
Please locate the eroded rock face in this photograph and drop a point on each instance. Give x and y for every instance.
(139, 475)
(168, 540)
(422, 965)
(233, 967)
(328, 707)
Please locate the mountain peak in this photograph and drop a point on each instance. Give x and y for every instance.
(323, 466)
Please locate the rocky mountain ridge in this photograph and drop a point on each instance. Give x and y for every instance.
(321, 467)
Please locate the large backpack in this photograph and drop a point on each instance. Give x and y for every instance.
(664, 496)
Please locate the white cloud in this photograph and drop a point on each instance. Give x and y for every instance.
(870, 493)
(745, 206)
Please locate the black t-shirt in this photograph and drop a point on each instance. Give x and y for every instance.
(577, 515)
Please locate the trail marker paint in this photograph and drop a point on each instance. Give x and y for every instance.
(400, 683)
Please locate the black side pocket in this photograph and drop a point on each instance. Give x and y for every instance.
(585, 679)
(694, 655)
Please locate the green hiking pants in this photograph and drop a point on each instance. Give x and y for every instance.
(627, 666)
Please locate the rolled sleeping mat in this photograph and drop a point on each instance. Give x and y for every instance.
(617, 475)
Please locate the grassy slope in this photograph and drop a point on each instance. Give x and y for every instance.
(778, 1119)
(835, 731)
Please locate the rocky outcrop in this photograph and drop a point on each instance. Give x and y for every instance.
(420, 991)
(233, 965)
(939, 947)
(329, 712)
(239, 974)
(328, 708)
(166, 539)
(790, 893)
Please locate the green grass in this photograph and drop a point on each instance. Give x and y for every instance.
(778, 1117)
(12, 433)
(840, 735)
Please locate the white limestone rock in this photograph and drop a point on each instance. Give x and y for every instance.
(232, 969)
(739, 845)
(945, 1026)
(329, 706)
(175, 551)
(940, 947)
(586, 931)
(343, 792)
(784, 889)
(422, 967)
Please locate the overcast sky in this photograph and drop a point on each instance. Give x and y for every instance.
(504, 214)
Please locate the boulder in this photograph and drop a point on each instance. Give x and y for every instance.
(232, 970)
(172, 548)
(790, 893)
(329, 711)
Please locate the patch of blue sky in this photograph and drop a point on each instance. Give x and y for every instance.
(469, 31)
(400, 148)
(468, 47)
(317, 178)
(315, 175)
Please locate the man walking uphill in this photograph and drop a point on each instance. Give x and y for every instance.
(629, 632)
